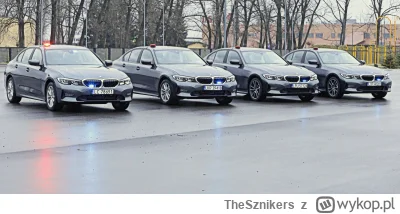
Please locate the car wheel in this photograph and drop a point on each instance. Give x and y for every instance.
(306, 98)
(11, 94)
(120, 106)
(379, 95)
(224, 100)
(256, 90)
(333, 88)
(167, 93)
(51, 98)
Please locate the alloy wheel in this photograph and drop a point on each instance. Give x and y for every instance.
(333, 87)
(10, 89)
(255, 88)
(165, 92)
(50, 96)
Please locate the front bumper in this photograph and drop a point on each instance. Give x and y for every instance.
(284, 88)
(361, 86)
(196, 90)
(83, 94)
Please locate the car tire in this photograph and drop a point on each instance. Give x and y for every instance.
(51, 98)
(120, 106)
(224, 100)
(11, 94)
(256, 90)
(379, 95)
(334, 88)
(167, 93)
(306, 98)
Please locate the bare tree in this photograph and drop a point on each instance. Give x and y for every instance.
(340, 11)
(379, 11)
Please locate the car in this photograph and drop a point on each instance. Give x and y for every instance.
(340, 73)
(62, 74)
(261, 73)
(174, 73)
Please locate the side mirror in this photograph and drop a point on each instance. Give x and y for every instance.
(34, 62)
(235, 62)
(146, 62)
(362, 62)
(314, 62)
(290, 62)
(108, 63)
(209, 62)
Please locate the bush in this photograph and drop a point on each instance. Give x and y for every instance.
(398, 60)
(390, 62)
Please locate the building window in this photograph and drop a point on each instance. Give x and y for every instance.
(333, 35)
(319, 35)
(339, 35)
(367, 36)
(386, 36)
(310, 35)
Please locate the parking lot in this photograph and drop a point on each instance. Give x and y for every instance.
(281, 145)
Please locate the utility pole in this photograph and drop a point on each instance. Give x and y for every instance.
(41, 22)
(163, 23)
(284, 7)
(144, 22)
(86, 23)
(225, 23)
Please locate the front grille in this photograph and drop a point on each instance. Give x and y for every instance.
(372, 88)
(305, 78)
(110, 83)
(204, 80)
(100, 97)
(92, 83)
(367, 77)
(379, 77)
(292, 78)
(297, 90)
(219, 80)
(211, 93)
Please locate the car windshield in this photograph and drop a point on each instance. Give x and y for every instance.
(71, 57)
(177, 57)
(262, 57)
(337, 57)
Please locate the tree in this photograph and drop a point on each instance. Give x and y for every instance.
(340, 11)
(379, 11)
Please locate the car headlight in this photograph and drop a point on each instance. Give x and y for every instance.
(125, 81)
(230, 79)
(386, 77)
(273, 77)
(314, 77)
(184, 78)
(351, 76)
(66, 81)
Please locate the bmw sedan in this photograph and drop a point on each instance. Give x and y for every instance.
(61, 74)
(261, 73)
(173, 73)
(340, 73)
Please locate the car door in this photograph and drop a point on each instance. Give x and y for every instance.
(314, 68)
(23, 70)
(241, 75)
(147, 75)
(220, 58)
(17, 73)
(129, 66)
(36, 77)
(298, 58)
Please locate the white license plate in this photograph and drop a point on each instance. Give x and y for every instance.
(374, 84)
(299, 85)
(103, 91)
(212, 87)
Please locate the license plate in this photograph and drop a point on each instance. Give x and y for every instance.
(212, 87)
(299, 85)
(374, 84)
(103, 91)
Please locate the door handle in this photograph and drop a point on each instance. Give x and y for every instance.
(16, 66)
(123, 65)
(137, 68)
(225, 67)
(27, 69)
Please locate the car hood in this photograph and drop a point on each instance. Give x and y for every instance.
(86, 72)
(281, 69)
(356, 69)
(196, 70)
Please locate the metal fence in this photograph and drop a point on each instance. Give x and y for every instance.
(370, 54)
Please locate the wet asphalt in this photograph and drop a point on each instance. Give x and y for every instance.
(281, 145)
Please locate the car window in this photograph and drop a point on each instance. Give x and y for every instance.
(219, 58)
(297, 56)
(211, 57)
(71, 57)
(27, 55)
(134, 55)
(37, 55)
(20, 55)
(177, 56)
(125, 58)
(233, 55)
(310, 56)
(289, 57)
(146, 55)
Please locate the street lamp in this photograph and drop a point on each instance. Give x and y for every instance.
(144, 22)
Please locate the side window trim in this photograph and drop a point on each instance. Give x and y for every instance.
(126, 56)
(21, 55)
(30, 56)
